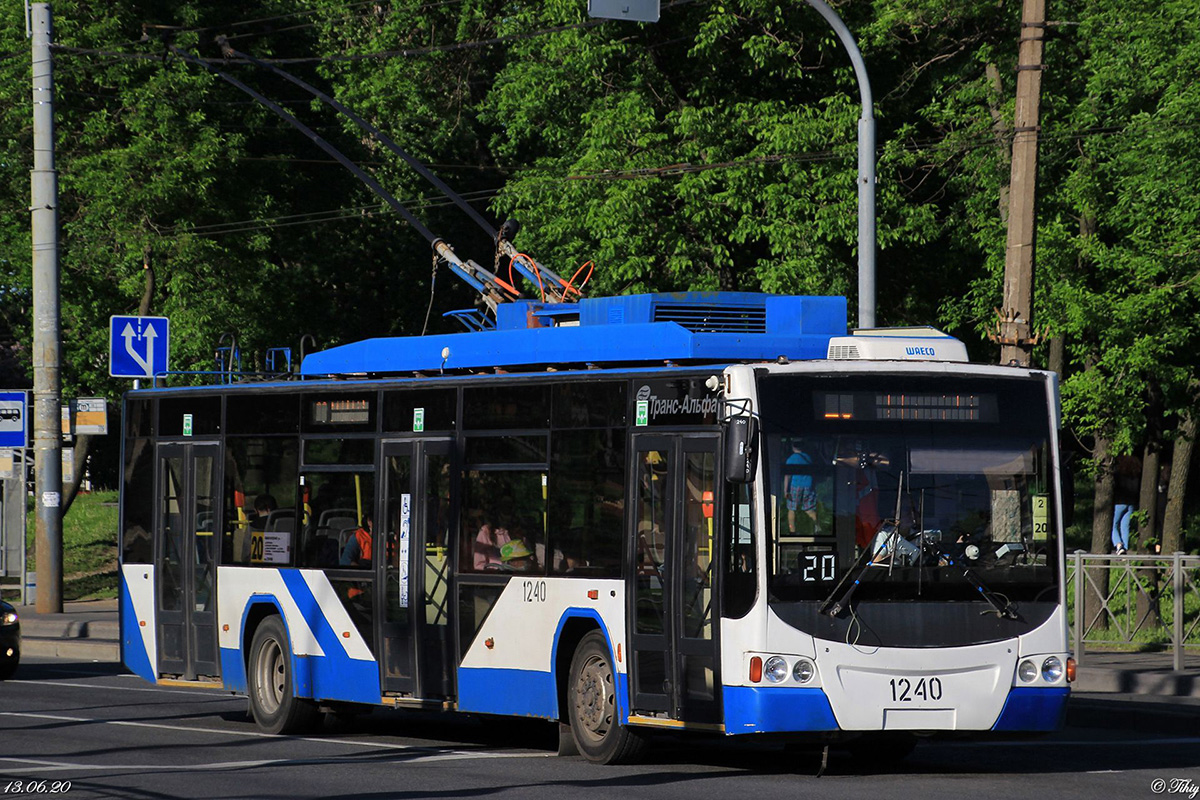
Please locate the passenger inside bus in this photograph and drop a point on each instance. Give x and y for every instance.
(264, 504)
(357, 552)
(515, 556)
(493, 535)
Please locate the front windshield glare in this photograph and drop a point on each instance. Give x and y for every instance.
(913, 488)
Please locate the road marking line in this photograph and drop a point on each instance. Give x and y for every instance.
(1041, 743)
(43, 765)
(260, 735)
(215, 694)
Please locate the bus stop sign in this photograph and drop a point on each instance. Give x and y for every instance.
(138, 346)
(13, 423)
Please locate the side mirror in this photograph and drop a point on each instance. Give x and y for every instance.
(741, 448)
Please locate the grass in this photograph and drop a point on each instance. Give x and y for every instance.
(89, 547)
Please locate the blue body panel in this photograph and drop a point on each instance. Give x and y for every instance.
(335, 676)
(710, 327)
(750, 709)
(233, 670)
(514, 692)
(1032, 709)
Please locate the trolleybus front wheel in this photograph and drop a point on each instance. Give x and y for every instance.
(592, 706)
(275, 708)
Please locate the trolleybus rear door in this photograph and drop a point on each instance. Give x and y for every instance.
(415, 616)
(672, 620)
(186, 518)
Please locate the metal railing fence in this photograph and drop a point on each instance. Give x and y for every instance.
(1150, 601)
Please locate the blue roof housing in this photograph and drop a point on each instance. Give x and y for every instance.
(633, 329)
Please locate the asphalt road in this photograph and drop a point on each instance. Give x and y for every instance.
(113, 735)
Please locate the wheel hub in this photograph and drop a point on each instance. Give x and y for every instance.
(593, 697)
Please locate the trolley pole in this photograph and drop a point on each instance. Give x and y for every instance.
(47, 344)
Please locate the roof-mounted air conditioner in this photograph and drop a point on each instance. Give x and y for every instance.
(897, 344)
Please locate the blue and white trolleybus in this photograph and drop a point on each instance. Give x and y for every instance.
(705, 511)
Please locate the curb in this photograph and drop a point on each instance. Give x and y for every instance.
(1138, 682)
(108, 650)
(58, 628)
(1144, 714)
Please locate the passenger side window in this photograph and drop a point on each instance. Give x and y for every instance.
(504, 522)
(260, 500)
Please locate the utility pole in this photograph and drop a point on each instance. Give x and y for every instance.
(1016, 336)
(47, 340)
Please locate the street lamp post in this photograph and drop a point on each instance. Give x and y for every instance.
(647, 11)
(866, 169)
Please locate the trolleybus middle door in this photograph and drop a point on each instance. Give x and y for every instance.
(415, 620)
(672, 611)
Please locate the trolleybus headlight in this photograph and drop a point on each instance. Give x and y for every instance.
(803, 671)
(1027, 671)
(1052, 669)
(775, 670)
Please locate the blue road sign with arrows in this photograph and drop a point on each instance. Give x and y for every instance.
(138, 346)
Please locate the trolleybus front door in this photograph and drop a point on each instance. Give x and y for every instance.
(417, 651)
(673, 635)
(186, 562)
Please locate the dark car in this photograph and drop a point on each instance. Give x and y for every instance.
(10, 640)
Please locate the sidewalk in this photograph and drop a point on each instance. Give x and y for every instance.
(85, 631)
(89, 631)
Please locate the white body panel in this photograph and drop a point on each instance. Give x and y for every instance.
(973, 685)
(237, 585)
(522, 629)
(140, 580)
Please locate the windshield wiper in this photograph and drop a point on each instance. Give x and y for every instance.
(1002, 604)
(888, 547)
(833, 609)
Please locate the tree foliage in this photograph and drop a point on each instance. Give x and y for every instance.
(715, 149)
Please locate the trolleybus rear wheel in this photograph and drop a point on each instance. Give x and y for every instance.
(592, 706)
(275, 708)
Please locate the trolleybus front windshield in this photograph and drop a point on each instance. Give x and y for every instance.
(924, 487)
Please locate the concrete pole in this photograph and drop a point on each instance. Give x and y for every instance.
(47, 383)
(1016, 316)
(866, 169)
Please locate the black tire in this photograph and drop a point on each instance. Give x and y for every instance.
(882, 750)
(269, 683)
(9, 668)
(592, 706)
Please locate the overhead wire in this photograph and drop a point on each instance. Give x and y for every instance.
(312, 217)
(291, 14)
(257, 224)
(319, 142)
(383, 54)
(372, 131)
